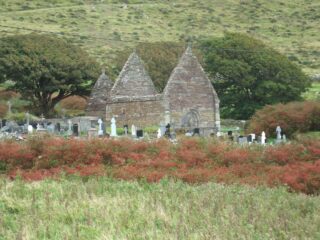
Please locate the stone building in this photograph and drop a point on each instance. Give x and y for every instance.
(99, 96)
(189, 100)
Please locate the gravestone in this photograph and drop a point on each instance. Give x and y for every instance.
(263, 138)
(133, 131)
(126, 129)
(159, 133)
(113, 127)
(243, 140)
(100, 131)
(249, 138)
(278, 131)
(75, 129)
(140, 133)
(196, 131)
(70, 127)
(167, 133)
(284, 138)
(30, 129)
(58, 127)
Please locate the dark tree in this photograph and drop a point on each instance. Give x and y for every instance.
(247, 75)
(45, 69)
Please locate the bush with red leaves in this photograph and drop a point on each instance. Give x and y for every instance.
(193, 160)
(292, 117)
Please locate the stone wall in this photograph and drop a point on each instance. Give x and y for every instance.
(189, 96)
(140, 112)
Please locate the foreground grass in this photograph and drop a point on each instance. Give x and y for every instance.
(102, 208)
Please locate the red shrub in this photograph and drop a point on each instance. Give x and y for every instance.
(16, 155)
(285, 154)
(292, 117)
(303, 177)
(74, 103)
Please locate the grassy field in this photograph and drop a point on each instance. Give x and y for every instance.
(313, 93)
(102, 208)
(104, 27)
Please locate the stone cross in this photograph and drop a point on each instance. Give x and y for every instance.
(263, 138)
(113, 127)
(100, 131)
(278, 131)
(133, 131)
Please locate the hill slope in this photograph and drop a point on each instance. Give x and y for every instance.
(103, 26)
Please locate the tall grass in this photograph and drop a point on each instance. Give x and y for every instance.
(102, 208)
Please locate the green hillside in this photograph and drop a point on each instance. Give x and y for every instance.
(103, 26)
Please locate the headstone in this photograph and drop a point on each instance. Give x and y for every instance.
(113, 127)
(100, 131)
(196, 131)
(133, 131)
(139, 133)
(229, 133)
(159, 133)
(263, 138)
(189, 133)
(167, 133)
(69, 127)
(253, 136)
(284, 138)
(278, 131)
(58, 127)
(30, 129)
(126, 128)
(75, 129)
(249, 138)
(243, 140)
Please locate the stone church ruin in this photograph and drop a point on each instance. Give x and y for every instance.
(188, 101)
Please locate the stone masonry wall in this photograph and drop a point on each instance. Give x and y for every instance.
(140, 113)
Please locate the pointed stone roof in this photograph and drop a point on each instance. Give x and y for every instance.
(188, 82)
(133, 81)
(99, 94)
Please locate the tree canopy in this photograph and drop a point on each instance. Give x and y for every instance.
(45, 69)
(248, 75)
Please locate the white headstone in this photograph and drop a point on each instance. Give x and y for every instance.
(113, 127)
(38, 127)
(30, 129)
(100, 131)
(284, 137)
(133, 131)
(263, 138)
(69, 127)
(278, 131)
(253, 136)
(159, 133)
